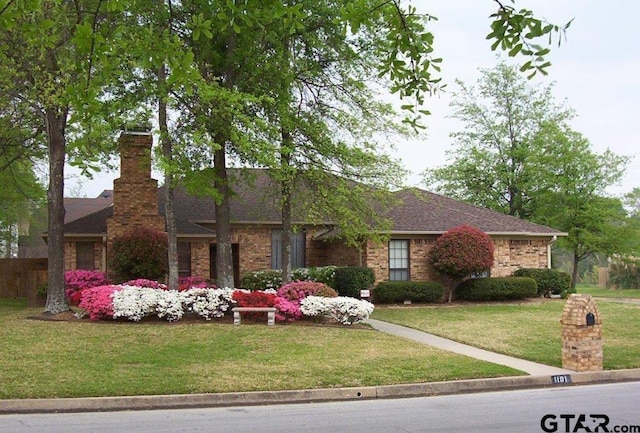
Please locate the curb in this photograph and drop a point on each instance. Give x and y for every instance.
(183, 401)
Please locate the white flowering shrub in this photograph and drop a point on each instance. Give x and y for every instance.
(207, 303)
(343, 309)
(170, 305)
(134, 303)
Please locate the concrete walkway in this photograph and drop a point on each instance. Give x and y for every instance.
(531, 368)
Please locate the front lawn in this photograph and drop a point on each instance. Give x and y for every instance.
(42, 359)
(529, 330)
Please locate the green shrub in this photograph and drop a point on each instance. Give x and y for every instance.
(549, 280)
(140, 253)
(262, 280)
(349, 280)
(389, 292)
(497, 289)
(272, 278)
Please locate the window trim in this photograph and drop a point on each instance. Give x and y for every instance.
(405, 250)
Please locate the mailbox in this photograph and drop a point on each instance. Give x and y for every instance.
(581, 334)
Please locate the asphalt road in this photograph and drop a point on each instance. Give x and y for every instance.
(560, 409)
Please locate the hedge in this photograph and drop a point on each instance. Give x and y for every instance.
(497, 289)
(548, 280)
(349, 280)
(389, 292)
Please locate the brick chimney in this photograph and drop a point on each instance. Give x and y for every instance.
(135, 192)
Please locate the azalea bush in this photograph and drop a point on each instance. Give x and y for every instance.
(134, 303)
(208, 302)
(193, 282)
(290, 295)
(78, 279)
(144, 282)
(98, 301)
(342, 309)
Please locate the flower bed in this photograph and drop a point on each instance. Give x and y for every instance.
(293, 302)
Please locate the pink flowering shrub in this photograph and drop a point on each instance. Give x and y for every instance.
(290, 295)
(286, 310)
(143, 282)
(98, 301)
(78, 279)
(194, 282)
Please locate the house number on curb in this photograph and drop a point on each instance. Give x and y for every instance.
(561, 379)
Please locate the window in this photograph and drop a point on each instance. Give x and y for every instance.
(298, 241)
(85, 256)
(184, 259)
(399, 260)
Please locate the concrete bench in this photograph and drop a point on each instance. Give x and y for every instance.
(271, 314)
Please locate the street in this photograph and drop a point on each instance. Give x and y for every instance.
(612, 407)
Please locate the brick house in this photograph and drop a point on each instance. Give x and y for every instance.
(91, 224)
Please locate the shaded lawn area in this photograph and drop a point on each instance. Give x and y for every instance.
(528, 330)
(42, 359)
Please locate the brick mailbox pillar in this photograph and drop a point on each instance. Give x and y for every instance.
(581, 334)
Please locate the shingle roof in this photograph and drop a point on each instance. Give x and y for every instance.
(423, 211)
(255, 201)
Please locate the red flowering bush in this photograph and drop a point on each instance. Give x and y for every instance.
(462, 251)
(98, 301)
(254, 299)
(141, 253)
(78, 279)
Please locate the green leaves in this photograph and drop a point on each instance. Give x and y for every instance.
(515, 32)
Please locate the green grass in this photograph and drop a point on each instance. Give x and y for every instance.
(43, 359)
(601, 292)
(526, 330)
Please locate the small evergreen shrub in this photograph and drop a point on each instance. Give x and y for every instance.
(497, 289)
(389, 292)
(549, 280)
(349, 280)
(140, 253)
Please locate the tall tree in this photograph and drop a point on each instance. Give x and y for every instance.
(496, 156)
(48, 59)
(576, 201)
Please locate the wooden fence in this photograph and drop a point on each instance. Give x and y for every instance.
(20, 278)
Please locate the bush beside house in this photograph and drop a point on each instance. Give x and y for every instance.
(390, 292)
(549, 281)
(497, 289)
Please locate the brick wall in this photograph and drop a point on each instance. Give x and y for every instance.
(510, 254)
(513, 254)
(70, 255)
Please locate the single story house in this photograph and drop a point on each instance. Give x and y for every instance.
(91, 224)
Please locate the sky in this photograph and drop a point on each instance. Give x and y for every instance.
(596, 71)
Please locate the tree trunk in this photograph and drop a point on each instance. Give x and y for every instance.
(286, 232)
(169, 202)
(224, 255)
(56, 125)
(574, 274)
